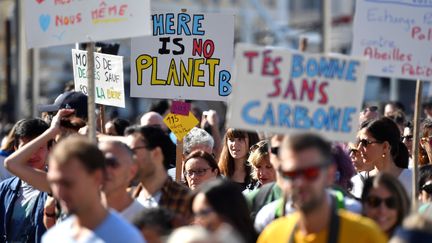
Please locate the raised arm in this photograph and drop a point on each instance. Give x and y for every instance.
(17, 163)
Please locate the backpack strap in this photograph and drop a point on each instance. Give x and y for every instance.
(260, 198)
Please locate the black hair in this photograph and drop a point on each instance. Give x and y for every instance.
(227, 200)
(160, 107)
(30, 129)
(155, 137)
(425, 174)
(160, 220)
(385, 129)
(120, 125)
(397, 104)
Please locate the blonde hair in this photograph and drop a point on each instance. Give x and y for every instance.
(258, 153)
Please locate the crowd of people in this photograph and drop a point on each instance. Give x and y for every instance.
(236, 186)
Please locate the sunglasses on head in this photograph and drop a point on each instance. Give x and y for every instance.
(371, 109)
(364, 142)
(374, 202)
(309, 173)
(261, 147)
(407, 137)
(427, 188)
(112, 162)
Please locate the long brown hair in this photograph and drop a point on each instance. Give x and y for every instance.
(226, 161)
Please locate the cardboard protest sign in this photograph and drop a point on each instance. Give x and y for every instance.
(396, 37)
(189, 56)
(180, 125)
(59, 22)
(283, 91)
(180, 108)
(109, 82)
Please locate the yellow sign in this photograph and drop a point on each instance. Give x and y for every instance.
(180, 125)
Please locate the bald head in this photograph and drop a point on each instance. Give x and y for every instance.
(153, 119)
(118, 149)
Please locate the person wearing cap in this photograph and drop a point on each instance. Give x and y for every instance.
(119, 173)
(68, 100)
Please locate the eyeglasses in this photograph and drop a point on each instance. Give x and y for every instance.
(197, 172)
(203, 212)
(365, 142)
(274, 150)
(374, 202)
(309, 173)
(112, 162)
(407, 137)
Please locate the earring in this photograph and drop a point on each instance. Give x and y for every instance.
(383, 155)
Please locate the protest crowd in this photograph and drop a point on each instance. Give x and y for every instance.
(299, 156)
(58, 186)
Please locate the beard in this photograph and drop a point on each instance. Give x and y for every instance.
(311, 204)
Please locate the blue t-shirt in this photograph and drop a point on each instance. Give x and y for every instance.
(113, 229)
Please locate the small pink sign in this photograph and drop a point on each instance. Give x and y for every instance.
(180, 108)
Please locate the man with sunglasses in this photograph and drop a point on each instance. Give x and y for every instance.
(120, 170)
(307, 170)
(76, 174)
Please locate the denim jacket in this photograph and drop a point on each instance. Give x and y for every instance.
(9, 192)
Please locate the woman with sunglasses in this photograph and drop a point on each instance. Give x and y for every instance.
(385, 201)
(262, 169)
(379, 145)
(233, 159)
(198, 167)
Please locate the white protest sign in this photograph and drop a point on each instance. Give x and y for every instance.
(59, 22)
(109, 83)
(283, 91)
(396, 37)
(189, 56)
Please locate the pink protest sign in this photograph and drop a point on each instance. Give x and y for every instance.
(180, 108)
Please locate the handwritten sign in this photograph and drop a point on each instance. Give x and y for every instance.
(108, 77)
(189, 56)
(396, 37)
(59, 22)
(180, 108)
(282, 91)
(180, 125)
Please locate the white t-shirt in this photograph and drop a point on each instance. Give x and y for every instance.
(130, 212)
(405, 178)
(358, 182)
(149, 202)
(113, 229)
